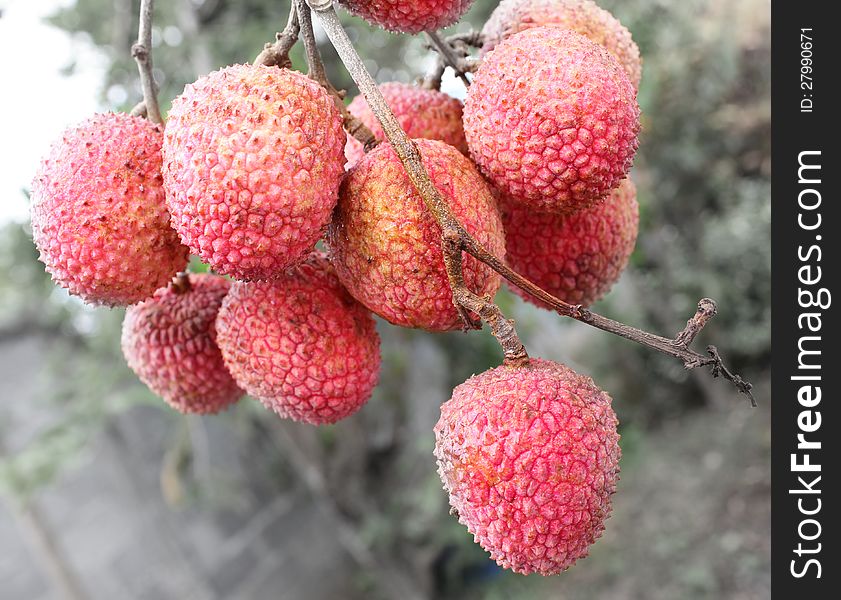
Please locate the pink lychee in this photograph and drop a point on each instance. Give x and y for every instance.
(422, 113)
(575, 257)
(386, 246)
(301, 344)
(552, 120)
(253, 156)
(99, 219)
(169, 341)
(409, 17)
(530, 458)
(582, 16)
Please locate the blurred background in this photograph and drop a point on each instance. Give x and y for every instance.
(107, 493)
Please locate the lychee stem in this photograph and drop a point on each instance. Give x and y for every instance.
(142, 53)
(459, 44)
(456, 239)
(277, 54)
(445, 50)
(317, 72)
(180, 283)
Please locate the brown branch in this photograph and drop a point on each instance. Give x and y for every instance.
(352, 124)
(141, 51)
(706, 310)
(465, 300)
(456, 239)
(449, 56)
(277, 54)
(474, 39)
(452, 51)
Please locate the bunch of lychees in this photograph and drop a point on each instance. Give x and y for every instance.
(249, 173)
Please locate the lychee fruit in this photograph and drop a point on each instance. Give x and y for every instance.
(409, 17)
(552, 120)
(582, 16)
(301, 344)
(422, 113)
(386, 246)
(576, 257)
(530, 458)
(253, 156)
(99, 219)
(169, 341)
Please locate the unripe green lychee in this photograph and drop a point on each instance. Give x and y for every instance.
(253, 156)
(552, 120)
(582, 16)
(409, 17)
(575, 257)
(99, 218)
(530, 458)
(386, 246)
(301, 344)
(422, 113)
(169, 341)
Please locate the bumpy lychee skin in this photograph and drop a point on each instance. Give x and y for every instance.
(422, 113)
(552, 120)
(582, 16)
(575, 257)
(169, 341)
(414, 16)
(301, 344)
(253, 156)
(99, 218)
(386, 246)
(530, 458)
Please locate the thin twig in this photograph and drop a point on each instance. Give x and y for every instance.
(142, 53)
(707, 309)
(457, 239)
(352, 124)
(277, 54)
(474, 39)
(432, 80)
(448, 54)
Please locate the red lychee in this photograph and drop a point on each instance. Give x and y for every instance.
(422, 113)
(409, 17)
(575, 257)
(552, 120)
(582, 16)
(530, 458)
(253, 156)
(386, 246)
(169, 341)
(301, 344)
(99, 218)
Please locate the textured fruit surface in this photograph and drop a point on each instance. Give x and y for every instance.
(301, 344)
(582, 16)
(552, 119)
(99, 218)
(386, 246)
(530, 458)
(409, 17)
(575, 257)
(421, 113)
(169, 341)
(253, 156)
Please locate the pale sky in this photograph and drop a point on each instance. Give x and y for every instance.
(36, 102)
